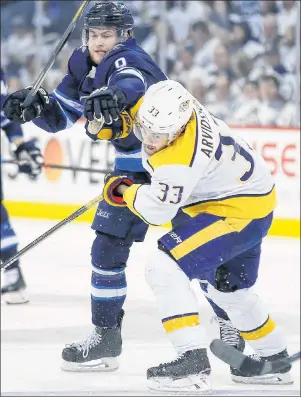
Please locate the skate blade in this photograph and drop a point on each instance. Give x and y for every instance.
(105, 364)
(16, 297)
(269, 379)
(193, 385)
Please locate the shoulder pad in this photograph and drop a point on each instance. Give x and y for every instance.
(79, 63)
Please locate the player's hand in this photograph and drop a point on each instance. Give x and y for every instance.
(110, 191)
(119, 129)
(29, 156)
(14, 111)
(105, 105)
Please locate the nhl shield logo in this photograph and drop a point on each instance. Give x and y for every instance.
(184, 106)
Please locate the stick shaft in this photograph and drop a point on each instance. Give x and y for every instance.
(49, 232)
(63, 167)
(28, 100)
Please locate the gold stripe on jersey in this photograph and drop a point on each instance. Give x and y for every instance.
(242, 206)
(181, 322)
(259, 332)
(181, 151)
(209, 233)
(134, 109)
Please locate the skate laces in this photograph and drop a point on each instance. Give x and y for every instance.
(175, 361)
(228, 332)
(84, 346)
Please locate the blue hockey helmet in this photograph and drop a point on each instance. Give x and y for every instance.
(107, 15)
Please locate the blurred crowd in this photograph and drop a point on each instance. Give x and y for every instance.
(239, 58)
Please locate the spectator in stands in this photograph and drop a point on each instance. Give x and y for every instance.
(247, 105)
(197, 87)
(181, 14)
(271, 102)
(152, 44)
(270, 36)
(220, 23)
(20, 43)
(241, 40)
(268, 7)
(184, 66)
(288, 16)
(220, 98)
(203, 43)
(288, 50)
(221, 64)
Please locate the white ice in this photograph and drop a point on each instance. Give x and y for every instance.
(58, 276)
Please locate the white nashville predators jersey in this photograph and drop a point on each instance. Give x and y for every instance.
(207, 169)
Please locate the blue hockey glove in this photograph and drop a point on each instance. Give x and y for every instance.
(29, 156)
(105, 104)
(13, 105)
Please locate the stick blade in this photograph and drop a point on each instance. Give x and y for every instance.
(227, 353)
(237, 359)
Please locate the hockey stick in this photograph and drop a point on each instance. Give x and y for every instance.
(246, 364)
(61, 167)
(49, 232)
(28, 100)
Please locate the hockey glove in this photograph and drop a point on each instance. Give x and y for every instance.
(117, 130)
(110, 194)
(13, 105)
(105, 105)
(29, 157)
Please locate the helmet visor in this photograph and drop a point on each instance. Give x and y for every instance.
(146, 135)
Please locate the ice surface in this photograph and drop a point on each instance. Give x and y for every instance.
(58, 276)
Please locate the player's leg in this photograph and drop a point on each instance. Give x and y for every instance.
(179, 313)
(228, 333)
(13, 287)
(206, 242)
(116, 230)
(233, 290)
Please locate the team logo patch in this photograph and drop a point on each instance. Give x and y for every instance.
(184, 106)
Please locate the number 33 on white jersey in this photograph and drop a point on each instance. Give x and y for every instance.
(207, 169)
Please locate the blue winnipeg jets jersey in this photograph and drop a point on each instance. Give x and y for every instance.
(11, 129)
(128, 67)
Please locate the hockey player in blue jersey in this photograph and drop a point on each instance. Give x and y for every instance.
(108, 74)
(107, 77)
(13, 288)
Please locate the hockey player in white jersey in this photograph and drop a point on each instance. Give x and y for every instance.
(220, 196)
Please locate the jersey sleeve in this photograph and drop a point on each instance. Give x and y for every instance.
(122, 69)
(66, 107)
(11, 129)
(159, 202)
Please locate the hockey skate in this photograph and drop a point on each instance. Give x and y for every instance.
(98, 352)
(230, 335)
(282, 377)
(13, 289)
(187, 375)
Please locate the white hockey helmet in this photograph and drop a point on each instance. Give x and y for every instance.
(166, 109)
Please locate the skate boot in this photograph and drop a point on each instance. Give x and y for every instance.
(283, 377)
(230, 334)
(187, 374)
(97, 353)
(13, 289)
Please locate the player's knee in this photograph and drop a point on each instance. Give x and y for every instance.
(237, 300)
(109, 251)
(163, 271)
